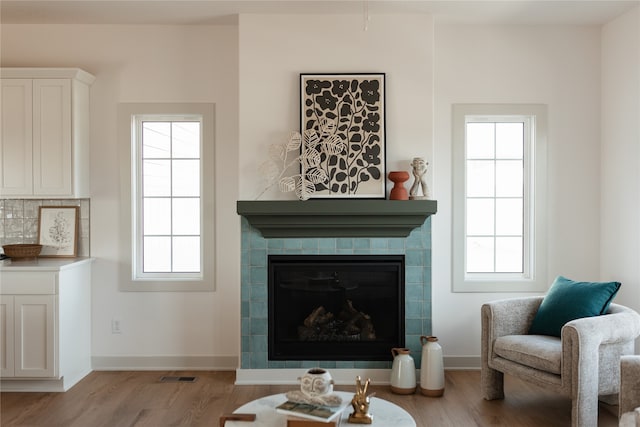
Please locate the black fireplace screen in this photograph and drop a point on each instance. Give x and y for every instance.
(335, 307)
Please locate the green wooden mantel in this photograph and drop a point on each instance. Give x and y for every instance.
(336, 218)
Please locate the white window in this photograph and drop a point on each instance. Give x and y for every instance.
(168, 208)
(499, 191)
(170, 238)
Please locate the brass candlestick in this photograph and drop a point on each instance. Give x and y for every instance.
(360, 403)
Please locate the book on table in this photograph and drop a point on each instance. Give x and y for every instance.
(310, 411)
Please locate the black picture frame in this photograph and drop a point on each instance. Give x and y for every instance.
(343, 128)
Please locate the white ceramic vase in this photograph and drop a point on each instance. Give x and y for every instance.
(432, 368)
(403, 372)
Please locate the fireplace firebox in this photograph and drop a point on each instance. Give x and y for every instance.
(335, 307)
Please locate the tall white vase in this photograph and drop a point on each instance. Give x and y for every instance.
(432, 367)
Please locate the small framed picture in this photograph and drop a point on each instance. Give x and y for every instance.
(58, 231)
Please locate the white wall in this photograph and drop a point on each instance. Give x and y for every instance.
(620, 152)
(557, 66)
(150, 64)
(275, 49)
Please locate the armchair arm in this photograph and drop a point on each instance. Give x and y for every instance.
(629, 397)
(581, 341)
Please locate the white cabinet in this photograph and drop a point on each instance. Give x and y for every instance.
(45, 324)
(44, 138)
(28, 339)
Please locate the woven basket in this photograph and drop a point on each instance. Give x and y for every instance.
(22, 250)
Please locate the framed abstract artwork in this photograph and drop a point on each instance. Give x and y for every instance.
(58, 231)
(342, 123)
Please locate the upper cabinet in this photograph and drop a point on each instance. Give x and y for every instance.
(44, 132)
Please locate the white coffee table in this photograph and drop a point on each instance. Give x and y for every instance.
(385, 413)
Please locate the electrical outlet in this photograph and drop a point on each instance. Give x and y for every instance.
(115, 326)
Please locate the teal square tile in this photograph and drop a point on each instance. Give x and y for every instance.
(259, 360)
(258, 309)
(275, 244)
(310, 245)
(245, 360)
(396, 244)
(244, 309)
(245, 327)
(259, 344)
(413, 291)
(276, 364)
(259, 292)
(258, 275)
(414, 258)
(413, 274)
(360, 244)
(344, 243)
(413, 326)
(259, 326)
(326, 244)
(413, 309)
(257, 241)
(258, 258)
(295, 244)
(379, 243)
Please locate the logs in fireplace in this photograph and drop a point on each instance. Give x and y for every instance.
(335, 307)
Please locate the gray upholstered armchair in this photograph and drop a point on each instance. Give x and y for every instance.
(629, 397)
(583, 364)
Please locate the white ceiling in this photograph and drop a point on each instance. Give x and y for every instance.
(203, 12)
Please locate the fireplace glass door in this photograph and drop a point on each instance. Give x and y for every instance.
(335, 307)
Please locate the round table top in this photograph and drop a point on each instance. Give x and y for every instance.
(385, 413)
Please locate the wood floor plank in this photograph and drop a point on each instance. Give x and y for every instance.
(139, 399)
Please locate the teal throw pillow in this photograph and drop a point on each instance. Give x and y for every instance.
(568, 300)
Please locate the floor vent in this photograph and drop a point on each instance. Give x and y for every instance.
(177, 379)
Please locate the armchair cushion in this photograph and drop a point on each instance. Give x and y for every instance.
(569, 300)
(536, 351)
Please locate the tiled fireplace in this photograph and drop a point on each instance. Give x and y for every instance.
(416, 249)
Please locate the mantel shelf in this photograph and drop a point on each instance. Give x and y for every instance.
(336, 218)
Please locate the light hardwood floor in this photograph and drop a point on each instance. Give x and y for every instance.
(139, 399)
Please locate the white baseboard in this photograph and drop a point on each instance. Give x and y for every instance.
(165, 363)
(42, 385)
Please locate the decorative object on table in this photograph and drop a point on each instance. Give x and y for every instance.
(316, 382)
(307, 175)
(309, 411)
(360, 404)
(316, 388)
(22, 251)
(403, 372)
(348, 110)
(58, 231)
(419, 168)
(431, 368)
(309, 423)
(398, 192)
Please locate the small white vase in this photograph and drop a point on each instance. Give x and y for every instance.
(316, 382)
(403, 372)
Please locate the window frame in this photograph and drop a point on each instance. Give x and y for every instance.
(130, 259)
(137, 217)
(534, 276)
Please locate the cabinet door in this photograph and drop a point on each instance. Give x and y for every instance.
(6, 337)
(16, 137)
(52, 167)
(35, 340)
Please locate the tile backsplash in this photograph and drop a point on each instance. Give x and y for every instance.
(19, 220)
